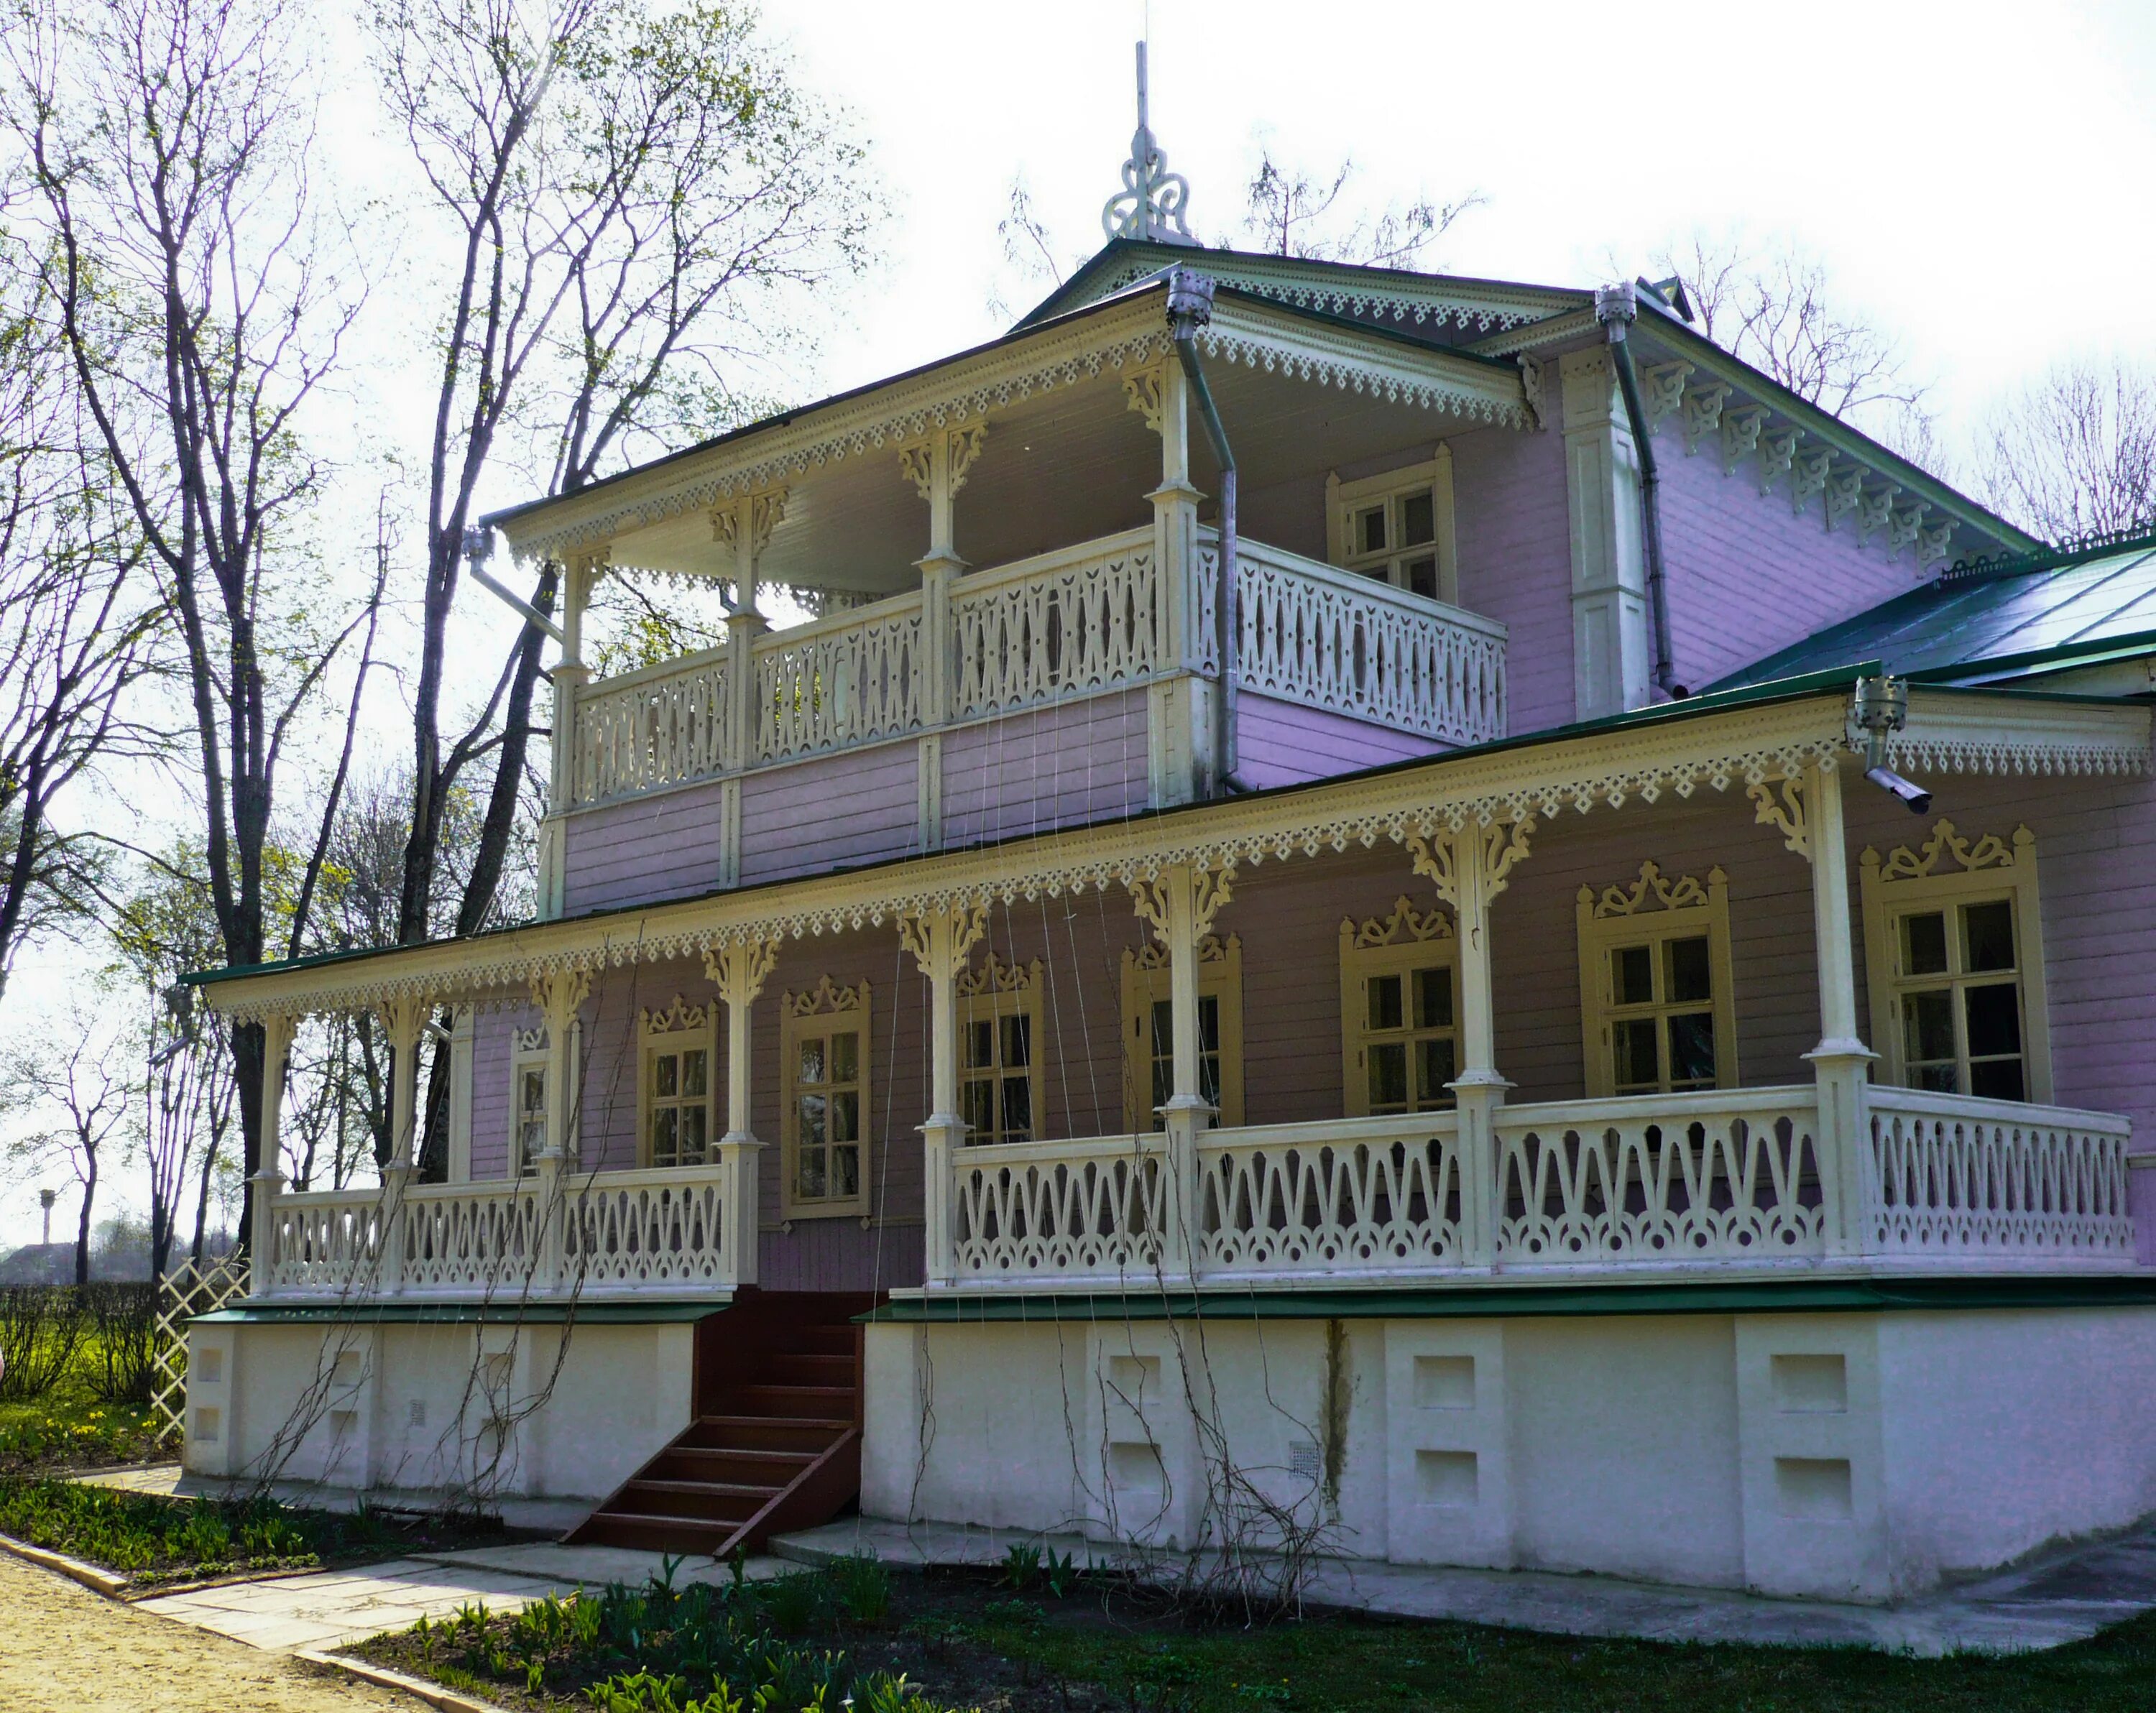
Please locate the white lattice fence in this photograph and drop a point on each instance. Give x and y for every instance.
(1333, 639)
(658, 729)
(1726, 1175)
(1958, 1177)
(1089, 1209)
(1368, 1194)
(631, 1228)
(1059, 626)
(187, 1290)
(844, 681)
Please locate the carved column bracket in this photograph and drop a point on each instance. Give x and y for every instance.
(1467, 879)
(1740, 436)
(1210, 889)
(1665, 389)
(1702, 413)
(1780, 804)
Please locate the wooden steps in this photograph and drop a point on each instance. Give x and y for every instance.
(776, 1442)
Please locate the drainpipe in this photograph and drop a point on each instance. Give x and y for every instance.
(1190, 307)
(1616, 307)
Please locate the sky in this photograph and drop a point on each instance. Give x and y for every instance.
(1973, 176)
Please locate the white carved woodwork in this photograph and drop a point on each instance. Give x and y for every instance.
(1665, 389)
(1778, 451)
(1702, 413)
(1740, 436)
(1844, 495)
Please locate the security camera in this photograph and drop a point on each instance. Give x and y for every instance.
(1886, 779)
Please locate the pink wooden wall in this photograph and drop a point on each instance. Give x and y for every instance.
(1515, 543)
(1079, 761)
(1285, 743)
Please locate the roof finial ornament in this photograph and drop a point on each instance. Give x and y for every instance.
(1151, 202)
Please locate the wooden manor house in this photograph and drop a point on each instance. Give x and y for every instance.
(1324, 935)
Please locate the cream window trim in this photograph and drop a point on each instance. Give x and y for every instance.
(528, 1101)
(674, 1082)
(824, 1019)
(1375, 948)
(1946, 874)
(1653, 912)
(999, 1045)
(1145, 985)
(1347, 503)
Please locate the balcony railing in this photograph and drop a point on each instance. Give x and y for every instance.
(1722, 1179)
(1082, 621)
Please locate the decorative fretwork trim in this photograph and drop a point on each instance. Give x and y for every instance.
(1153, 956)
(680, 1015)
(997, 977)
(1990, 852)
(1405, 926)
(826, 996)
(1435, 302)
(1781, 806)
(1650, 891)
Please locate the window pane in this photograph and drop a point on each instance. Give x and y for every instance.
(1018, 1041)
(694, 1135)
(1389, 1075)
(1997, 1079)
(1164, 1028)
(1164, 1085)
(1633, 1046)
(534, 1098)
(845, 1172)
(1632, 975)
(978, 1107)
(1988, 938)
(1434, 1070)
(809, 1178)
(1690, 970)
(1209, 1078)
(846, 1057)
(1691, 1047)
(1993, 1015)
(663, 1136)
(846, 1116)
(1433, 991)
(811, 1061)
(1924, 945)
(665, 1068)
(1940, 1079)
(1370, 530)
(980, 1043)
(1017, 1107)
(1419, 576)
(1417, 519)
(1208, 1024)
(1928, 1023)
(1384, 1002)
(694, 1069)
(812, 1121)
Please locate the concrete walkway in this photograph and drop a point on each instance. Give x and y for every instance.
(2064, 1597)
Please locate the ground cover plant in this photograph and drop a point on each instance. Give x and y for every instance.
(75, 1391)
(1039, 1637)
(153, 1540)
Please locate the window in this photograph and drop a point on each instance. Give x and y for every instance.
(1400, 1010)
(1953, 949)
(999, 1052)
(823, 1123)
(527, 1101)
(679, 1054)
(1657, 1014)
(1149, 1030)
(1398, 527)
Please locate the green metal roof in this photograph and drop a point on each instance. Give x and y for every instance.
(1987, 621)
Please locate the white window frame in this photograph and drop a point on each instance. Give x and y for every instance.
(991, 994)
(1146, 983)
(1407, 940)
(825, 1007)
(1943, 874)
(528, 1052)
(681, 1028)
(1345, 502)
(1655, 910)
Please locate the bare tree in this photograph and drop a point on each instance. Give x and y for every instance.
(201, 302)
(638, 196)
(76, 1074)
(1772, 307)
(1292, 211)
(2074, 454)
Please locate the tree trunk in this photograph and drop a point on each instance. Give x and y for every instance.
(82, 1226)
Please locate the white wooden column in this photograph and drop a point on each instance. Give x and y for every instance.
(1179, 706)
(941, 941)
(579, 576)
(1807, 811)
(463, 1030)
(1179, 903)
(1470, 867)
(560, 997)
(404, 1022)
(1612, 663)
(269, 1175)
(937, 466)
(739, 970)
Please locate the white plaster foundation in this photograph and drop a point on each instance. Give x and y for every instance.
(1851, 1456)
(418, 1408)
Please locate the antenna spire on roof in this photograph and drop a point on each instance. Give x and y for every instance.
(1150, 204)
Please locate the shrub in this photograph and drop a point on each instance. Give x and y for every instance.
(41, 1328)
(123, 1342)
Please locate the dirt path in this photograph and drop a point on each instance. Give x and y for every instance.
(64, 1650)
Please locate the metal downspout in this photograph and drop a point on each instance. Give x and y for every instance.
(1616, 307)
(1190, 307)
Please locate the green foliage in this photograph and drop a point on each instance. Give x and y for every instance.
(1021, 1566)
(153, 1538)
(864, 1588)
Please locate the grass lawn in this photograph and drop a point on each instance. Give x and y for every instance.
(153, 1540)
(964, 1640)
